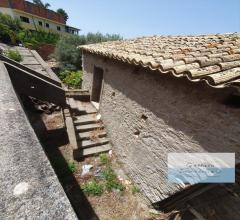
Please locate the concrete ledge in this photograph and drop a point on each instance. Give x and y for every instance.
(27, 69)
(45, 66)
(29, 187)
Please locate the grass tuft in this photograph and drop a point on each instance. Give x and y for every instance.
(135, 190)
(72, 167)
(93, 188)
(112, 181)
(104, 159)
(14, 55)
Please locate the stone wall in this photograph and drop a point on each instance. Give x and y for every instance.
(29, 187)
(148, 114)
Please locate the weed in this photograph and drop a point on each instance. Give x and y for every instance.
(93, 188)
(72, 167)
(135, 190)
(104, 159)
(111, 180)
(109, 174)
(14, 55)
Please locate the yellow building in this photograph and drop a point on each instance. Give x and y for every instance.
(35, 17)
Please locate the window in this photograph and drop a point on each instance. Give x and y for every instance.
(47, 25)
(58, 28)
(40, 23)
(24, 19)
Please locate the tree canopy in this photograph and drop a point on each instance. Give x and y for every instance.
(40, 3)
(63, 13)
(67, 53)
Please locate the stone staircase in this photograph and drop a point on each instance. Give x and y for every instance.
(91, 137)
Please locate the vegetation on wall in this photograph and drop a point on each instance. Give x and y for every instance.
(33, 39)
(14, 55)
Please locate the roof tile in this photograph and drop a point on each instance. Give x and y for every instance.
(211, 58)
(224, 76)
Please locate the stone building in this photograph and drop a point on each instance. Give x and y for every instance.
(167, 94)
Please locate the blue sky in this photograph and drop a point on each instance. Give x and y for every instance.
(132, 18)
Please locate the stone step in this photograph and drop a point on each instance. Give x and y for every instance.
(81, 95)
(72, 103)
(85, 119)
(93, 143)
(82, 107)
(89, 127)
(86, 107)
(89, 134)
(95, 150)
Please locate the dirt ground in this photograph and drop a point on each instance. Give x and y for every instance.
(115, 205)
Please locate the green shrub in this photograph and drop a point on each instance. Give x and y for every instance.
(93, 188)
(62, 75)
(8, 29)
(14, 55)
(33, 39)
(67, 54)
(72, 79)
(12, 32)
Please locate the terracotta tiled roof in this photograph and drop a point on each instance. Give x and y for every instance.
(212, 58)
